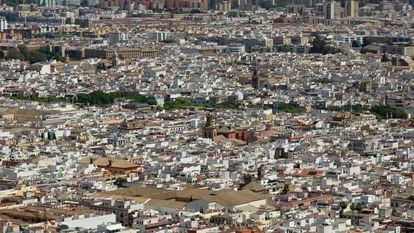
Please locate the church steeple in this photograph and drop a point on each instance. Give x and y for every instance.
(209, 130)
(209, 121)
(115, 59)
(255, 77)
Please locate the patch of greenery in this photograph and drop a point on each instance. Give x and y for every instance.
(97, 98)
(227, 105)
(101, 98)
(290, 108)
(14, 54)
(120, 181)
(380, 111)
(254, 105)
(41, 54)
(48, 99)
(386, 111)
(319, 45)
(180, 103)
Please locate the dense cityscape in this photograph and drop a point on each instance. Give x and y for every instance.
(207, 116)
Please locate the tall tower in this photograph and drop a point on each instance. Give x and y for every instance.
(209, 130)
(260, 172)
(255, 77)
(115, 59)
(330, 10)
(3, 24)
(351, 8)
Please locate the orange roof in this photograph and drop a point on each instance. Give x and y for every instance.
(102, 162)
(122, 163)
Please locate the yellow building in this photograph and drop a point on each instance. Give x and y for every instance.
(125, 53)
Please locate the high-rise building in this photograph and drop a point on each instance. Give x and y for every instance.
(223, 6)
(159, 36)
(295, 9)
(3, 24)
(92, 2)
(73, 2)
(116, 37)
(352, 8)
(339, 10)
(47, 3)
(112, 3)
(330, 10)
(246, 5)
(255, 77)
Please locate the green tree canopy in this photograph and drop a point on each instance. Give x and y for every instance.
(23, 50)
(15, 54)
(356, 44)
(386, 111)
(319, 45)
(36, 56)
(120, 181)
(290, 108)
